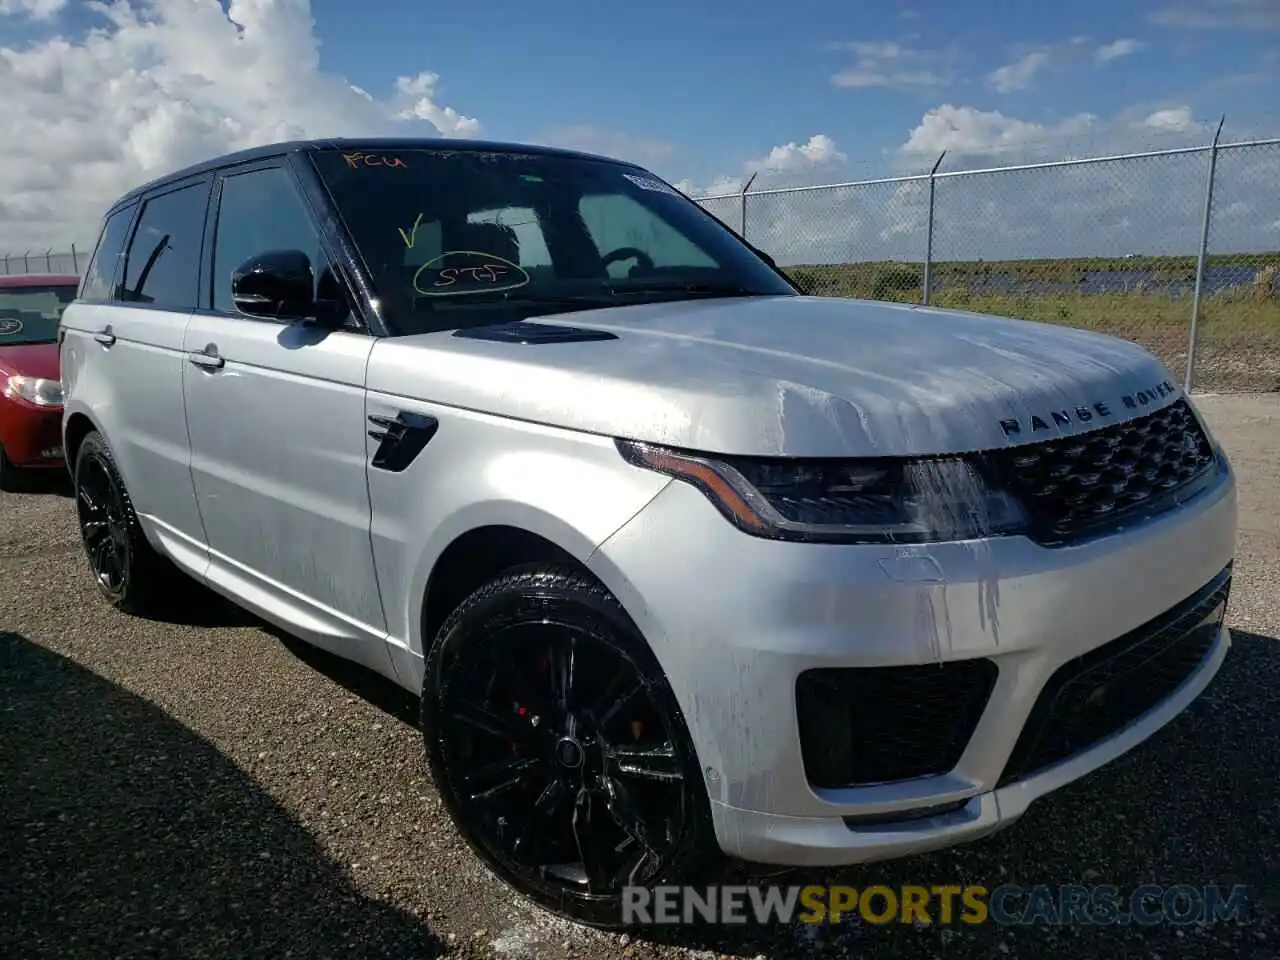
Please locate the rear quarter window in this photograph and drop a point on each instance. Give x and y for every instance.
(100, 276)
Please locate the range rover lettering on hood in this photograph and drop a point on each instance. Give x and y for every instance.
(1084, 413)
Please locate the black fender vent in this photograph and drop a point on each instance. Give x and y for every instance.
(526, 331)
(401, 438)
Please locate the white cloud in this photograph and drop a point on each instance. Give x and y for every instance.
(1175, 119)
(721, 185)
(968, 130)
(158, 84)
(793, 163)
(1032, 63)
(421, 90)
(645, 151)
(892, 65)
(36, 9)
(1105, 209)
(1019, 74)
(818, 149)
(1117, 49)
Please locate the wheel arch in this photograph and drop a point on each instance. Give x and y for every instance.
(78, 425)
(482, 544)
(477, 556)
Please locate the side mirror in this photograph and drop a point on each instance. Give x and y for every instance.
(278, 284)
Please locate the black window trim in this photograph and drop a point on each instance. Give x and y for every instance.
(357, 277)
(358, 322)
(171, 186)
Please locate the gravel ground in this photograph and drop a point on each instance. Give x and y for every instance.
(207, 788)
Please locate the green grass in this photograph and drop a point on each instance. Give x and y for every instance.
(1126, 314)
(881, 280)
(1247, 308)
(1238, 346)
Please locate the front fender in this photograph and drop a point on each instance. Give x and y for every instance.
(571, 489)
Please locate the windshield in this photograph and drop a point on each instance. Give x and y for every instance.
(31, 314)
(459, 238)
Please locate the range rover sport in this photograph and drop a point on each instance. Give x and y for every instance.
(680, 561)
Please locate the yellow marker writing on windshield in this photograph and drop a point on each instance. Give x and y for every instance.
(409, 237)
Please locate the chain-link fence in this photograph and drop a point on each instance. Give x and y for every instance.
(1178, 250)
(65, 262)
(1140, 246)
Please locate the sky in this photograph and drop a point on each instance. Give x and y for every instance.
(100, 96)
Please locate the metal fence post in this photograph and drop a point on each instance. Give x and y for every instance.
(48, 260)
(928, 249)
(6, 264)
(75, 260)
(745, 188)
(26, 262)
(1200, 258)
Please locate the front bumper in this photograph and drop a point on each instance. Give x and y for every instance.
(736, 620)
(32, 436)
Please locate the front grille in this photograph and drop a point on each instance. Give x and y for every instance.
(1082, 486)
(1102, 692)
(867, 725)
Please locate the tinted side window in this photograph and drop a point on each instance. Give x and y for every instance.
(163, 267)
(259, 211)
(101, 273)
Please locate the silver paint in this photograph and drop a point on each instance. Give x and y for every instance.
(782, 376)
(256, 480)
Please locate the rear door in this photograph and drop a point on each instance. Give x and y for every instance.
(278, 433)
(124, 358)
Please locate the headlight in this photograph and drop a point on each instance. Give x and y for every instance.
(43, 393)
(877, 500)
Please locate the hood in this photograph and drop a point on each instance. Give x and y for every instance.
(791, 376)
(32, 360)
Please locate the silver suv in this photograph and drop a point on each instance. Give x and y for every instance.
(681, 561)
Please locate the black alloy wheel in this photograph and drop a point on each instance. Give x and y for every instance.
(126, 570)
(559, 749)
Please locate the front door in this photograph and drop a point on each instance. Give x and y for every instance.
(276, 414)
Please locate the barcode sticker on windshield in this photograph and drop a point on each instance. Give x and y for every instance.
(648, 183)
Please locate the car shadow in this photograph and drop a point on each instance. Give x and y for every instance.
(374, 689)
(50, 482)
(1196, 804)
(126, 834)
(192, 604)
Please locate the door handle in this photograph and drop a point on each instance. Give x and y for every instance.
(105, 336)
(207, 358)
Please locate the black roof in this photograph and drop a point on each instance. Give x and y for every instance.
(356, 143)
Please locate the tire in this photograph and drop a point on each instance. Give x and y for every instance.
(127, 571)
(488, 687)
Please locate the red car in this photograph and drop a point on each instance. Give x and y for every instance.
(30, 386)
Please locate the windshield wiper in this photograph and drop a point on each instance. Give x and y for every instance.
(493, 299)
(608, 297)
(704, 289)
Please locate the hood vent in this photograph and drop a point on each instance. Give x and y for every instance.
(526, 331)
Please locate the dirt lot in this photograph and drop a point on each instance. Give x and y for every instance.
(207, 789)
